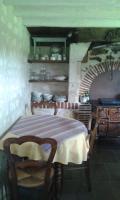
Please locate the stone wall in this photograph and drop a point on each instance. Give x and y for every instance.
(14, 47)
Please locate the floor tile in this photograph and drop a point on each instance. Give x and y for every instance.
(105, 175)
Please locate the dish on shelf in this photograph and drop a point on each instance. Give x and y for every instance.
(59, 98)
(36, 96)
(60, 78)
(47, 97)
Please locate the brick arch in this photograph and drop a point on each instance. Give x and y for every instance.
(94, 71)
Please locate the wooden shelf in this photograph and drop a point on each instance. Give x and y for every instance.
(46, 81)
(47, 61)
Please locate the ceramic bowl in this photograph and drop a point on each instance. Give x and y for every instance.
(47, 97)
(36, 96)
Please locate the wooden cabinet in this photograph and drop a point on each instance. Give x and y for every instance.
(109, 120)
(49, 49)
(49, 59)
(51, 81)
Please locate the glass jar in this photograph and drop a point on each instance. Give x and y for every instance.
(48, 76)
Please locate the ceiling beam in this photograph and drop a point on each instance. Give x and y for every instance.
(93, 3)
(64, 13)
(70, 22)
(68, 11)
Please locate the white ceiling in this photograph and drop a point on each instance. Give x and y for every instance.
(68, 13)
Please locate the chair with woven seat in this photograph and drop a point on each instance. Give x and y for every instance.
(31, 177)
(84, 114)
(86, 164)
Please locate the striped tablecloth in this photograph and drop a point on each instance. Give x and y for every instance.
(71, 135)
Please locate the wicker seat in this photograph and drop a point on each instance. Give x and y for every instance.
(31, 174)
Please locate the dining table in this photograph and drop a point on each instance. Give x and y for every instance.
(71, 135)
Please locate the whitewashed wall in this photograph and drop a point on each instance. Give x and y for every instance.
(14, 47)
(77, 52)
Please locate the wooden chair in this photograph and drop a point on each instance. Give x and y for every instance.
(30, 175)
(93, 133)
(84, 114)
(86, 164)
(44, 108)
(4, 181)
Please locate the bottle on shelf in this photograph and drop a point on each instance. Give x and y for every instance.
(48, 76)
(64, 57)
(43, 73)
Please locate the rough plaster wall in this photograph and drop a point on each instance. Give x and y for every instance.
(14, 46)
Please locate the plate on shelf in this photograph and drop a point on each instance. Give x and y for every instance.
(57, 98)
(60, 78)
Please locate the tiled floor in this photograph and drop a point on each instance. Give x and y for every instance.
(105, 175)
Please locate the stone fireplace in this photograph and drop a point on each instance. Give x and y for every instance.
(98, 75)
(102, 81)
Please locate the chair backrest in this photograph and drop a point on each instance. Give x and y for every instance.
(93, 133)
(84, 114)
(67, 113)
(25, 163)
(28, 138)
(44, 108)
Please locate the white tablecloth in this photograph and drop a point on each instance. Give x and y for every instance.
(71, 136)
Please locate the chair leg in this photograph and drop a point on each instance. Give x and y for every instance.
(7, 192)
(51, 192)
(58, 180)
(4, 192)
(87, 173)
